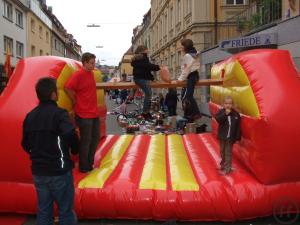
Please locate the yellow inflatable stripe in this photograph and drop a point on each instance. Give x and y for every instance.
(237, 85)
(97, 177)
(154, 172)
(63, 100)
(182, 176)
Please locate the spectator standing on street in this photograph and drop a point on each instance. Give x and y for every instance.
(81, 88)
(48, 134)
(228, 132)
(124, 92)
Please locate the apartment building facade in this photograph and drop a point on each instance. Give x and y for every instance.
(72, 49)
(13, 31)
(125, 64)
(39, 30)
(58, 33)
(141, 34)
(202, 21)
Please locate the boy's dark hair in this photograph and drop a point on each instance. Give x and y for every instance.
(140, 49)
(86, 57)
(44, 88)
(187, 44)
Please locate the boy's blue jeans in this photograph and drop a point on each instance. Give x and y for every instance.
(59, 189)
(145, 86)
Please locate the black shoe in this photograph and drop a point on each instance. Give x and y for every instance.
(147, 116)
(227, 171)
(150, 117)
(85, 170)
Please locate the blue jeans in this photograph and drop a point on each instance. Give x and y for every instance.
(89, 139)
(145, 86)
(58, 189)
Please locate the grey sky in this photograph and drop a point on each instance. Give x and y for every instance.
(116, 18)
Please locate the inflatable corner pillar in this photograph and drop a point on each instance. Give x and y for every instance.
(265, 87)
(19, 98)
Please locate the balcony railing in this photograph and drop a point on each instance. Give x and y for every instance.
(258, 15)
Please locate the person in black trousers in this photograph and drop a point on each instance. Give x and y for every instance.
(48, 134)
(171, 101)
(142, 76)
(189, 71)
(228, 132)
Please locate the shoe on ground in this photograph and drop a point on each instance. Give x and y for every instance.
(150, 117)
(227, 171)
(147, 116)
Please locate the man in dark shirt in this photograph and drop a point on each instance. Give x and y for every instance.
(228, 132)
(48, 135)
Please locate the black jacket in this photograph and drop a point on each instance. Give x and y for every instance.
(142, 67)
(171, 99)
(48, 134)
(235, 131)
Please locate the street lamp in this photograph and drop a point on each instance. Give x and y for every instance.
(93, 25)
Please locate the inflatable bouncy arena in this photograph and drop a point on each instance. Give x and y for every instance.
(165, 177)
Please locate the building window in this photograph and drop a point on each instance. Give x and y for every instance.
(32, 24)
(55, 45)
(8, 11)
(189, 6)
(171, 18)
(166, 24)
(235, 2)
(47, 37)
(41, 52)
(19, 18)
(186, 7)
(8, 44)
(178, 10)
(32, 50)
(41, 32)
(19, 49)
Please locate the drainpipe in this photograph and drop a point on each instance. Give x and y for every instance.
(216, 21)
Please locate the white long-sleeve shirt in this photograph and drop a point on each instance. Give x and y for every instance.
(188, 64)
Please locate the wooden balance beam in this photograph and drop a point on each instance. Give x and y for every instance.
(157, 84)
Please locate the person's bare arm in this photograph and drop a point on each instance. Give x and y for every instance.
(71, 94)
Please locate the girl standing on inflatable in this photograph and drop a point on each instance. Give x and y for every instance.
(189, 71)
(142, 76)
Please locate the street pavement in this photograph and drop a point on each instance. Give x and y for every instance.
(113, 128)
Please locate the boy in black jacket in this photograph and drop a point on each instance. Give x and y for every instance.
(228, 132)
(48, 134)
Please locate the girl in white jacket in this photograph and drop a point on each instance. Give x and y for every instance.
(189, 72)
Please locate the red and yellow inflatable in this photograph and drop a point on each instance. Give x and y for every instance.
(173, 177)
